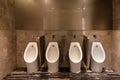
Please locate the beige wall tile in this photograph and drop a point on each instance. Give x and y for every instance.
(7, 38)
(116, 50)
(7, 52)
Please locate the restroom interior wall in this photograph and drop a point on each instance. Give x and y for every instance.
(103, 22)
(116, 50)
(63, 38)
(29, 14)
(82, 15)
(116, 14)
(27, 26)
(44, 17)
(7, 38)
(116, 36)
(60, 15)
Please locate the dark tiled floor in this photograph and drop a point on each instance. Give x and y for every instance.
(97, 76)
(62, 76)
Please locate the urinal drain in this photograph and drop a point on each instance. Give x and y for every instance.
(96, 46)
(75, 46)
(53, 46)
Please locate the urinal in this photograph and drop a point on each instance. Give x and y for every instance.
(52, 57)
(97, 57)
(31, 57)
(75, 56)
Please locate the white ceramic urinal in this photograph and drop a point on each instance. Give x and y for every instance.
(75, 56)
(31, 57)
(97, 57)
(52, 57)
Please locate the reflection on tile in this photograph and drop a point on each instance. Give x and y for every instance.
(115, 50)
(7, 38)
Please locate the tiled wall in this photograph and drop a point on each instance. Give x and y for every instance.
(63, 38)
(7, 38)
(9, 43)
(116, 14)
(7, 52)
(60, 15)
(116, 50)
(116, 36)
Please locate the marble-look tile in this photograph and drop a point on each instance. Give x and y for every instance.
(7, 38)
(116, 50)
(116, 14)
(7, 52)
(7, 18)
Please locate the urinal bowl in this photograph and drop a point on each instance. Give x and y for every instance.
(75, 56)
(52, 57)
(31, 57)
(97, 57)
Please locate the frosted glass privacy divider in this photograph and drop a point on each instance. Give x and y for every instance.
(52, 57)
(31, 57)
(97, 57)
(75, 56)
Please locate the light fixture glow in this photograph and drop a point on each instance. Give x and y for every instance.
(46, 1)
(83, 23)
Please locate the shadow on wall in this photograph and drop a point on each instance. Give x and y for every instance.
(42, 50)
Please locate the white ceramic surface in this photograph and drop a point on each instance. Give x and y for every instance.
(52, 57)
(97, 57)
(31, 57)
(75, 56)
